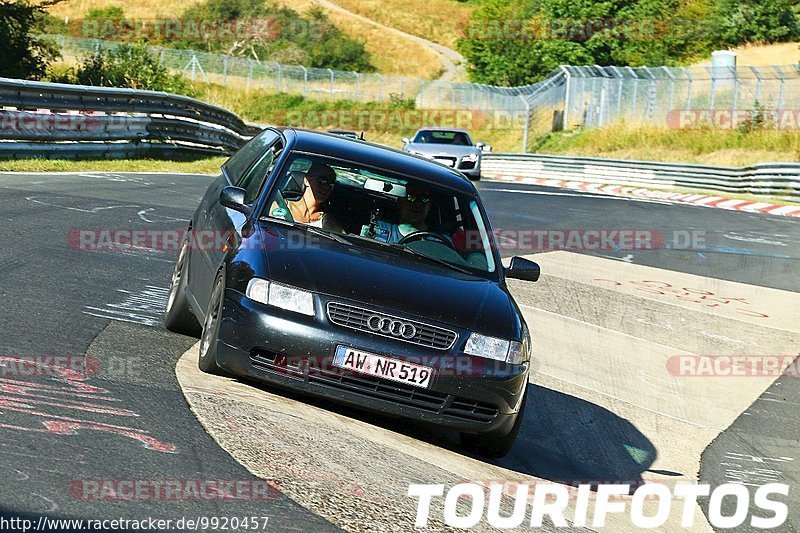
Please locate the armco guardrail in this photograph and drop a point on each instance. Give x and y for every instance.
(74, 120)
(774, 179)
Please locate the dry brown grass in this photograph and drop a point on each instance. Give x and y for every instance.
(765, 55)
(440, 21)
(391, 54)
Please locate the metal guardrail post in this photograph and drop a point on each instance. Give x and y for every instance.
(305, 80)
(331, 71)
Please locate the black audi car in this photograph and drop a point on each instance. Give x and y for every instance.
(358, 273)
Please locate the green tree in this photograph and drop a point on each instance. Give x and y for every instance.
(24, 54)
(756, 21)
(516, 43)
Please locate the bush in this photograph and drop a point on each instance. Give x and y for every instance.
(286, 37)
(24, 55)
(129, 66)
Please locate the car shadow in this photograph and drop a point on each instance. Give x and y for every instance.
(569, 440)
(563, 438)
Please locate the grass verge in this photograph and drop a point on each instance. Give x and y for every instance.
(724, 148)
(201, 166)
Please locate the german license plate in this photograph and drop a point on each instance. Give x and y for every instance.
(382, 367)
(445, 160)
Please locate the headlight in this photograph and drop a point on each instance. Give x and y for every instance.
(494, 348)
(472, 157)
(282, 296)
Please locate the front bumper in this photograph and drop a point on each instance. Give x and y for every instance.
(295, 351)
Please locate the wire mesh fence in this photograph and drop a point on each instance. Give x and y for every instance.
(572, 97)
(681, 97)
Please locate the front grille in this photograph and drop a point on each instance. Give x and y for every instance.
(426, 400)
(466, 164)
(323, 373)
(353, 317)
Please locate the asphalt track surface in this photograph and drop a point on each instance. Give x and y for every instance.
(134, 422)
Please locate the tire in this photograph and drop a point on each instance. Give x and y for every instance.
(178, 317)
(495, 446)
(207, 360)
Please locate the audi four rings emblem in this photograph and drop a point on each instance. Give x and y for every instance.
(395, 328)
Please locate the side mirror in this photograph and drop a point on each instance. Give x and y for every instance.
(406, 141)
(521, 268)
(233, 198)
(480, 146)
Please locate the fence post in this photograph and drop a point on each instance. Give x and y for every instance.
(671, 89)
(567, 97)
(782, 77)
(713, 73)
(757, 74)
(635, 90)
(689, 89)
(356, 75)
(305, 80)
(331, 71)
(224, 71)
(735, 92)
(526, 125)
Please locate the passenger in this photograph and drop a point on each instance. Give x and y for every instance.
(310, 208)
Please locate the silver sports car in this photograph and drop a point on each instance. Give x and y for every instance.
(451, 147)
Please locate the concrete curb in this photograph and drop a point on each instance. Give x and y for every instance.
(703, 200)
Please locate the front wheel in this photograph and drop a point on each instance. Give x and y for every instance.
(495, 446)
(177, 316)
(207, 361)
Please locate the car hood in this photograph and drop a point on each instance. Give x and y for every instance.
(386, 280)
(428, 149)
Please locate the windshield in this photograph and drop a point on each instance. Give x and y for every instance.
(396, 213)
(458, 138)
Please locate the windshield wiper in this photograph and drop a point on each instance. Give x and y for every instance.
(432, 259)
(313, 229)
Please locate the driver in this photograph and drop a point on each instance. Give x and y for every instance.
(413, 211)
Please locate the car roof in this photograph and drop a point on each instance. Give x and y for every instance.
(378, 156)
(438, 128)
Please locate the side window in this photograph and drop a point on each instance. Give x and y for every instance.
(256, 176)
(236, 167)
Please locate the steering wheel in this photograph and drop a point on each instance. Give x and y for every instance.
(425, 235)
